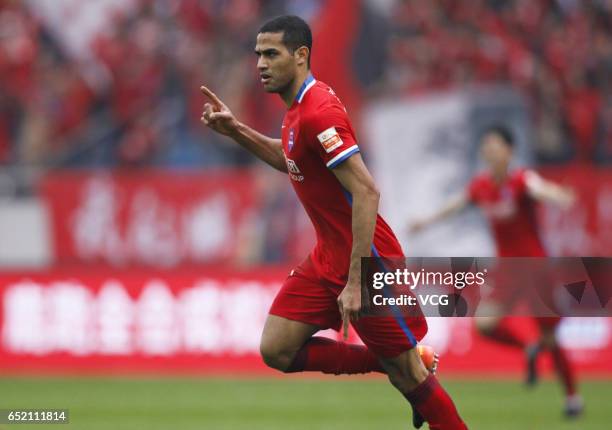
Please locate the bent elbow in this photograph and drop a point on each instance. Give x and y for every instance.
(370, 194)
(373, 192)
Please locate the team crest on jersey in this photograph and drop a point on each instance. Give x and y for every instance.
(330, 139)
(291, 137)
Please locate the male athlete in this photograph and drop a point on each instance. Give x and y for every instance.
(319, 153)
(507, 198)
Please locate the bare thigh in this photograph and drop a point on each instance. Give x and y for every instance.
(282, 339)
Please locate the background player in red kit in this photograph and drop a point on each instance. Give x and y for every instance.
(507, 198)
(319, 152)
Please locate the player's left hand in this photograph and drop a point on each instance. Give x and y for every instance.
(568, 197)
(349, 302)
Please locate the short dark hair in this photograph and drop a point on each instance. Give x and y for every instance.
(503, 132)
(296, 32)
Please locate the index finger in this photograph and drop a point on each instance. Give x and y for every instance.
(212, 96)
(345, 326)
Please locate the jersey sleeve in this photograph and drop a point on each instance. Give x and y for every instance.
(521, 177)
(330, 134)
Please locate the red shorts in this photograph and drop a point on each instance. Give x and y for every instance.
(306, 298)
(530, 292)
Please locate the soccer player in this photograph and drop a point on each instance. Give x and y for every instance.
(319, 153)
(507, 198)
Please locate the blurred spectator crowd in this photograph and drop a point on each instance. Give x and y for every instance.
(558, 53)
(135, 99)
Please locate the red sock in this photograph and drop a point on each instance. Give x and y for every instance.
(435, 405)
(328, 356)
(503, 333)
(564, 369)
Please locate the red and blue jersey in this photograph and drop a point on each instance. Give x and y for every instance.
(511, 213)
(317, 136)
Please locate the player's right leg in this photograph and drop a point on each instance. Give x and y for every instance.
(574, 404)
(409, 376)
(500, 330)
(301, 308)
(394, 341)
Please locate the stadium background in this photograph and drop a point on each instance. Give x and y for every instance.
(133, 241)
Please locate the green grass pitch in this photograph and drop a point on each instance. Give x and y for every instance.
(290, 403)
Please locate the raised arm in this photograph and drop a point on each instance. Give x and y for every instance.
(452, 207)
(355, 178)
(218, 117)
(546, 191)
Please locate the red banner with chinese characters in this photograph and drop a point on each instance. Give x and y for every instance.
(170, 219)
(584, 229)
(151, 218)
(210, 322)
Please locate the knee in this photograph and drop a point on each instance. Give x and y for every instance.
(486, 326)
(275, 356)
(406, 376)
(548, 339)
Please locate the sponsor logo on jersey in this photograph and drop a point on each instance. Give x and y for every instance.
(330, 139)
(506, 193)
(505, 207)
(294, 171)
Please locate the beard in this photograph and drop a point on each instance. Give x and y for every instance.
(279, 88)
